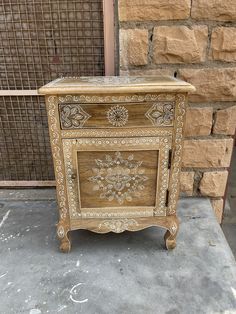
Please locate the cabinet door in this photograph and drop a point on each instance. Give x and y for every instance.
(117, 177)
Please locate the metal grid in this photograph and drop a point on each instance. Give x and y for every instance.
(41, 40)
(24, 140)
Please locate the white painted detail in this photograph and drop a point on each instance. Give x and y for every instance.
(4, 218)
(3, 275)
(74, 292)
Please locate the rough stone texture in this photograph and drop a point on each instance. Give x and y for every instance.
(198, 121)
(216, 84)
(213, 183)
(207, 153)
(180, 44)
(123, 273)
(146, 72)
(218, 208)
(217, 10)
(133, 47)
(223, 44)
(186, 183)
(225, 121)
(153, 10)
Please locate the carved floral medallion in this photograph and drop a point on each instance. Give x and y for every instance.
(73, 116)
(117, 178)
(161, 114)
(117, 115)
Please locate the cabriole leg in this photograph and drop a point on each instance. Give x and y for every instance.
(64, 237)
(171, 233)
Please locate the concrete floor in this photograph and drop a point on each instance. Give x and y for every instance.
(114, 273)
(229, 222)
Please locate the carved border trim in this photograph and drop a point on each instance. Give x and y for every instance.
(178, 147)
(117, 98)
(117, 133)
(57, 154)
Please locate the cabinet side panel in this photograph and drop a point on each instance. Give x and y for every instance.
(58, 160)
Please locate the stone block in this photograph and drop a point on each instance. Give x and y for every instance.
(198, 121)
(225, 121)
(218, 206)
(207, 153)
(186, 182)
(153, 10)
(133, 47)
(212, 84)
(217, 10)
(213, 183)
(223, 44)
(180, 44)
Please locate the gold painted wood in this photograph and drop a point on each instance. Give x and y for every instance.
(117, 148)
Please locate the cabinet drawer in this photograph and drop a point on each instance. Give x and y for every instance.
(122, 115)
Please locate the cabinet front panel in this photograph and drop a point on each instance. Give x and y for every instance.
(117, 177)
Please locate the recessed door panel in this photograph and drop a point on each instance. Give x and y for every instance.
(117, 177)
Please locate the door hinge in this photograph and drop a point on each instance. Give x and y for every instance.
(169, 160)
(167, 198)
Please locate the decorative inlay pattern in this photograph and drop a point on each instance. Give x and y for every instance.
(73, 116)
(117, 115)
(118, 178)
(57, 155)
(174, 228)
(111, 214)
(114, 98)
(161, 114)
(60, 232)
(111, 80)
(116, 132)
(118, 225)
(176, 165)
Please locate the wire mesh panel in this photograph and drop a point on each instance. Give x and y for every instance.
(24, 140)
(41, 40)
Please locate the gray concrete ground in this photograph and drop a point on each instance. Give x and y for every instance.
(114, 273)
(229, 222)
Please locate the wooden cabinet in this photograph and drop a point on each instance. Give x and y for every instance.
(117, 145)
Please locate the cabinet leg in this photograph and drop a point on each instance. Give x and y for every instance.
(64, 238)
(171, 233)
(170, 240)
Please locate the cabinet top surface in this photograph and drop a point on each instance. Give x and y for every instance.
(115, 84)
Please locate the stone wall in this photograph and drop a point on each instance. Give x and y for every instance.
(194, 40)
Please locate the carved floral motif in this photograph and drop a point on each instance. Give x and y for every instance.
(118, 178)
(73, 116)
(117, 115)
(118, 225)
(161, 114)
